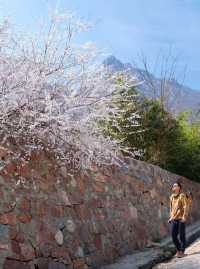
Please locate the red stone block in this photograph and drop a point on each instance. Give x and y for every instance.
(76, 198)
(57, 211)
(27, 252)
(14, 234)
(98, 187)
(10, 168)
(82, 211)
(84, 232)
(101, 178)
(20, 237)
(61, 252)
(95, 202)
(45, 233)
(24, 204)
(15, 247)
(78, 263)
(24, 218)
(41, 209)
(8, 218)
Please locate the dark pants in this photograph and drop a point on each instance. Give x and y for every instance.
(178, 228)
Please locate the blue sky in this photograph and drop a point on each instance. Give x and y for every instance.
(127, 28)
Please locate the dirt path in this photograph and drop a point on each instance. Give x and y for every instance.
(191, 260)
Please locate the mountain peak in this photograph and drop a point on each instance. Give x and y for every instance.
(113, 63)
(189, 98)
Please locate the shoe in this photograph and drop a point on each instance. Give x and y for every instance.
(177, 254)
(180, 254)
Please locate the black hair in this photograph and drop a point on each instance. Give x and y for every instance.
(178, 183)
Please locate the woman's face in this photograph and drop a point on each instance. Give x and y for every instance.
(176, 188)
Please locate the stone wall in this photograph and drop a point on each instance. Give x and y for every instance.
(53, 218)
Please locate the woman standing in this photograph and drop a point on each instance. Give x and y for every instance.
(178, 216)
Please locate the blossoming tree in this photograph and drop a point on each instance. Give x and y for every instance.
(53, 92)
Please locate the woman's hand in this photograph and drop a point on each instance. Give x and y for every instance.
(169, 220)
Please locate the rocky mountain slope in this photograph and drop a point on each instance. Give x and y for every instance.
(188, 98)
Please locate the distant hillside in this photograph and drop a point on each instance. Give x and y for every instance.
(188, 98)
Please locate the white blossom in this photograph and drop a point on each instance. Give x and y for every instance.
(53, 92)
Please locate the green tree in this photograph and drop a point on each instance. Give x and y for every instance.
(184, 158)
(143, 126)
(161, 130)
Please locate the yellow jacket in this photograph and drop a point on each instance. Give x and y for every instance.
(179, 207)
